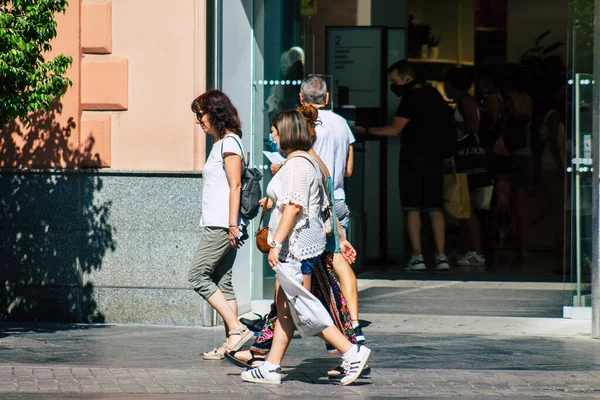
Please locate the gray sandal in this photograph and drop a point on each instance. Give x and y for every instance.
(213, 355)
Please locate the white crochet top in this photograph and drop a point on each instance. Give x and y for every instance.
(299, 182)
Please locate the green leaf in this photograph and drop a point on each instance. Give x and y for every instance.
(552, 47)
(27, 81)
(541, 37)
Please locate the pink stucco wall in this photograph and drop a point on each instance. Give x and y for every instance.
(137, 66)
(165, 47)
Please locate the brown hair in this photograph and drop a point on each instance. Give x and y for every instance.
(222, 115)
(293, 131)
(312, 119)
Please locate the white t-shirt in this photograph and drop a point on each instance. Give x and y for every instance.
(333, 139)
(215, 190)
(299, 182)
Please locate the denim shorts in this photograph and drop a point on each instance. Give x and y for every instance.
(308, 265)
(343, 213)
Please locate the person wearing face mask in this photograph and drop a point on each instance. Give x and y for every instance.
(274, 142)
(274, 145)
(425, 124)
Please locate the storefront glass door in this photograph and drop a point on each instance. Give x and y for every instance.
(578, 271)
(283, 43)
(579, 155)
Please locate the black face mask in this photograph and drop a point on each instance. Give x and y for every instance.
(400, 90)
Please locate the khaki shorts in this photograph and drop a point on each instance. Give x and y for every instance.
(213, 263)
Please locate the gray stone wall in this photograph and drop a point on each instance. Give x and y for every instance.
(85, 246)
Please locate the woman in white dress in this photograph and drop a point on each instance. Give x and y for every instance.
(296, 233)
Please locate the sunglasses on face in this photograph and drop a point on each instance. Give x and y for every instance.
(199, 116)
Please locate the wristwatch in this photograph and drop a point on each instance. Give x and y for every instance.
(275, 245)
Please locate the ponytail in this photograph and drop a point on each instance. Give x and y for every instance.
(312, 119)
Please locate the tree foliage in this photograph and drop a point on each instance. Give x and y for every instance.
(28, 82)
(582, 26)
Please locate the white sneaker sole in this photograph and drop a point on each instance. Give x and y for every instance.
(361, 366)
(267, 381)
(442, 268)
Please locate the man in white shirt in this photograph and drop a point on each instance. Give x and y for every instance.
(333, 144)
(334, 147)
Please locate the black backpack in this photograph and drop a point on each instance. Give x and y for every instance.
(251, 193)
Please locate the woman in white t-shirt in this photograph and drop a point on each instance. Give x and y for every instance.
(296, 234)
(220, 234)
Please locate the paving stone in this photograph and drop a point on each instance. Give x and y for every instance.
(404, 365)
(156, 389)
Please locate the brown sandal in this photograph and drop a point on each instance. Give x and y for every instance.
(251, 362)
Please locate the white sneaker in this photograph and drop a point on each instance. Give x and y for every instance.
(416, 263)
(471, 259)
(263, 375)
(441, 263)
(354, 365)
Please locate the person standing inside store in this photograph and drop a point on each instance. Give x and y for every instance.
(427, 132)
(457, 83)
(333, 145)
(518, 139)
(220, 235)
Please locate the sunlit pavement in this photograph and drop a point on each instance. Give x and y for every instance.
(429, 339)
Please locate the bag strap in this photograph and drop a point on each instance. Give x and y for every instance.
(264, 207)
(324, 175)
(239, 145)
(262, 215)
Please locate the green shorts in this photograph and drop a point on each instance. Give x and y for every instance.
(213, 263)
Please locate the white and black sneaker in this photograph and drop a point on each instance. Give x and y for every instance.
(471, 259)
(416, 263)
(338, 373)
(263, 374)
(354, 364)
(441, 263)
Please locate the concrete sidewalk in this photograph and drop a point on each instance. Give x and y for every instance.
(414, 356)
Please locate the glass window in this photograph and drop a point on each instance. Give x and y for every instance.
(579, 154)
(281, 60)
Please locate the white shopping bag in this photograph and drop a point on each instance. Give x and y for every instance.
(308, 313)
(483, 197)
